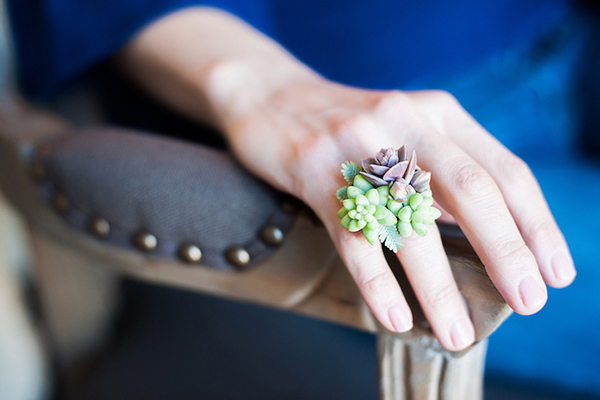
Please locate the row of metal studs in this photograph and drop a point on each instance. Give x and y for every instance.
(147, 242)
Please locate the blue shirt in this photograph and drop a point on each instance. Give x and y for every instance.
(378, 44)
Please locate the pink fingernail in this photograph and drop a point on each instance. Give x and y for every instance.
(462, 333)
(401, 318)
(532, 294)
(562, 266)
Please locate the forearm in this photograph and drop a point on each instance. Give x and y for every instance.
(209, 65)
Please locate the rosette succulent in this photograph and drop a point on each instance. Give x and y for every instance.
(392, 168)
(392, 182)
(365, 209)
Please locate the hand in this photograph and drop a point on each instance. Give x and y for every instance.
(297, 138)
(294, 129)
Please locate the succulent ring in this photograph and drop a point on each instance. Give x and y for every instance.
(387, 198)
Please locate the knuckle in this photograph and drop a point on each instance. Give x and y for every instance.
(538, 230)
(374, 284)
(473, 180)
(351, 128)
(514, 169)
(350, 123)
(307, 147)
(444, 96)
(510, 252)
(444, 100)
(302, 156)
(392, 100)
(440, 296)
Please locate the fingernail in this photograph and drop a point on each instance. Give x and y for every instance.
(401, 318)
(532, 294)
(462, 333)
(562, 266)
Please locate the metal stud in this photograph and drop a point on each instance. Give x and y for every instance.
(190, 253)
(145, 241)
(238, 256)
(61, 202)
(271, 235)
(38, 171)
(99, 227)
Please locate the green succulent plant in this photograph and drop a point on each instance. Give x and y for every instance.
(365, 209)
(388, 198)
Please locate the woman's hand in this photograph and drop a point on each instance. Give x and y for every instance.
(294, 129)
(307, 130)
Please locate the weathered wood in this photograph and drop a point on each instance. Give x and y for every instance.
(419, 370)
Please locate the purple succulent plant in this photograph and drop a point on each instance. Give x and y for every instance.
(392, 168)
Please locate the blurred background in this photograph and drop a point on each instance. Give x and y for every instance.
(540, 97)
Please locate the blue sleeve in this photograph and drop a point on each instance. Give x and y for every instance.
(59, 40)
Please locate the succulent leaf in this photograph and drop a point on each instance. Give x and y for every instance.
(415, 200)
(345, 222)
(349, 171)
(373, 180)
(393, 158)
(423, 209)
(404, 229)
(373, 196)
(427, 201)
(365, 162)
(434, 213)
(402, 153)
(400, 190)
(396, 172)
(342, 212)
(419, 228)
(420, 181)
(361, 183)
(371, 234)
(405, 213)
(342, 193)
(428, 221)
(394, 206)
(353, 191)
(349, 204)
(378, 170)
(412, 165)
(416, 217)
(385, 216)
(384, 192)
(373, 224)
(361, 200)
(389, 237)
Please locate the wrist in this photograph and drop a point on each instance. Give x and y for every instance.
(236, 87)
